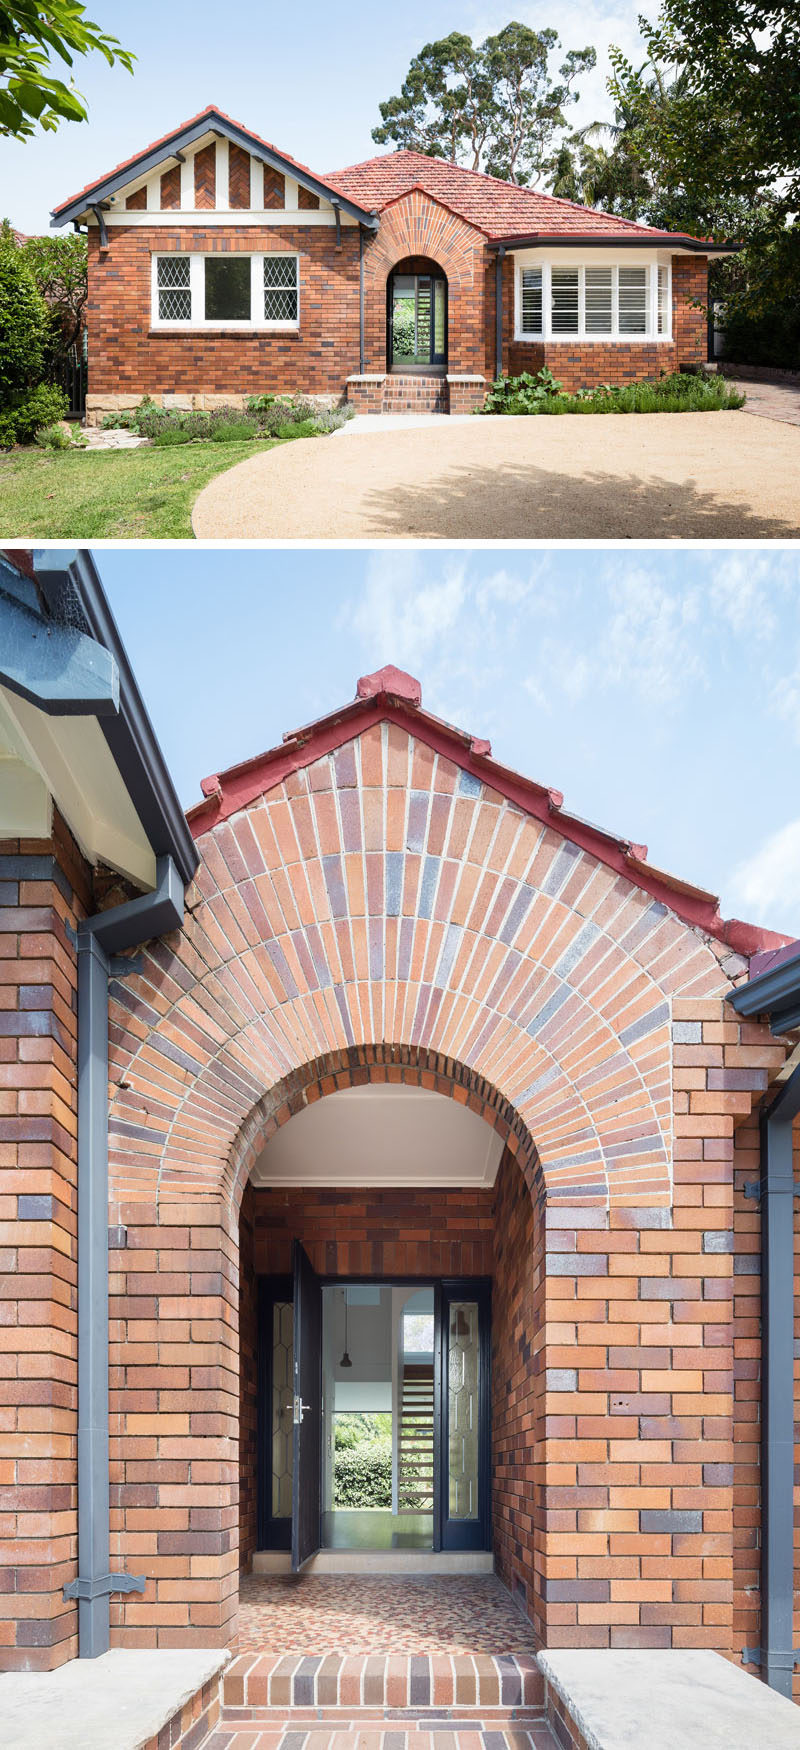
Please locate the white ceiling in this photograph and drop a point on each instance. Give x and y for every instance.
(379, 1135)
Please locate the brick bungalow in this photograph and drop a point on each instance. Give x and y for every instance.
(220, 267)
(398, 1026)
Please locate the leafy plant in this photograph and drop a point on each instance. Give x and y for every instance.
(32, 35)
(53, 437)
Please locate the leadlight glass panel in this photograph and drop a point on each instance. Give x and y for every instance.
(280, 288)
(282, 1420)
(174, 294)
(463, 1374)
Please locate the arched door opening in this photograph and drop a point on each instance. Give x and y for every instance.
(416, 317)
(379, 1204)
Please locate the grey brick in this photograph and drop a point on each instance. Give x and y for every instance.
(717, 1476)
(646, 1024)
(568, 1264)
(469, 785)
(670, 1520)
(563, 1215)
(577, 1591)
(561, 1379)
(34, 1208)
(687, 1032)
(747, 1264)
(718, 1240)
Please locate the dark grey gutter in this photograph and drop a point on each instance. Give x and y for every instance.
(100, 941)
(74, 596)
(209, 123)
(662, 240)
(776, 992)
(498, 311)
(775, 1190)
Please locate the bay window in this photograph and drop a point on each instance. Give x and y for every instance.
(226, 290)
(564, 300)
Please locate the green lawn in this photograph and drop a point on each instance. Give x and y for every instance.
(117, 494)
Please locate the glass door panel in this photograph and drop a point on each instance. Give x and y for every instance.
(466, 1413)
(417, 320)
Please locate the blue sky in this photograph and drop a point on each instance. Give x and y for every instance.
(659, 690)
(310, 82)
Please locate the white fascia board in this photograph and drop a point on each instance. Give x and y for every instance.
(200, 219)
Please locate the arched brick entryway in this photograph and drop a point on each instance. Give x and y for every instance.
(378, 885)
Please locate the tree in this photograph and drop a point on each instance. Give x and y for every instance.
(528, 109)
(493, 106)
(31, 35)
(715, 111)
(60, 268)
(24, 323)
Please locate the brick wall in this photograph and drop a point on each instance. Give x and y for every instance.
(129, 359)
(43, 889)
(580, 366)
(170, 188)
(521, 1499)
(238, 176)
(205, 176)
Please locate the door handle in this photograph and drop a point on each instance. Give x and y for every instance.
(299, 1410)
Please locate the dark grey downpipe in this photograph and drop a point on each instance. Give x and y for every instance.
(776, 1654)
(361, 348)
(100, 940)
(498, 311)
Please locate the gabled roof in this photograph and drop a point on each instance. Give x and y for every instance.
(393, 696)
(208, 120)
(500, 209)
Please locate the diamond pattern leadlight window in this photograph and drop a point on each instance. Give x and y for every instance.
(280, 288)
(174, 295)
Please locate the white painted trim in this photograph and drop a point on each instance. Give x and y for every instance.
(187, 186)
(197, 322)
(290, 195)
(222, 187)
(204, 216)
(575, 258)
(256, 185)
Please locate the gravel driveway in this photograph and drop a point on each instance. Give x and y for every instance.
(662, 476)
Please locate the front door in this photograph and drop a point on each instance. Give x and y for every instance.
(405, 1365)
(307, 1410)
(417, 321)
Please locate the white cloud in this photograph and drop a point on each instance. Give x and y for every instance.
(402, 618)
(765, 888)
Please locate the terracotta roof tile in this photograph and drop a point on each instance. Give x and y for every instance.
(499, 209)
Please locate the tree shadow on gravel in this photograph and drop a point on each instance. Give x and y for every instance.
(516, 503)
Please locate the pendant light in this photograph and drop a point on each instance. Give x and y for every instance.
(345, 1361)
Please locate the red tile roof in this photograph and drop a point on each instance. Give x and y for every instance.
(497, 208)
(393, 696)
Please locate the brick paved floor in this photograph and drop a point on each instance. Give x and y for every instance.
(779, 401)
(357, 1613)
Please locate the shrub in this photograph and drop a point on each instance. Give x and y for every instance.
(362, 1475)
(172, 434)
(333, 418)
(43, 406)
(53, 437)
(233, 431)
(24, 327)
(124, 421)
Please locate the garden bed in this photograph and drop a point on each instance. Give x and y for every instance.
(683, 392)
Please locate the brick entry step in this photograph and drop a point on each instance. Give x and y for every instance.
(379, 1701)
(415, 394)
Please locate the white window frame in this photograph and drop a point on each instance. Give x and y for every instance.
(197, 286)
(570, 260)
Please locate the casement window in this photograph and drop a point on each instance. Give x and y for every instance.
(229, 290)
(615, 302)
